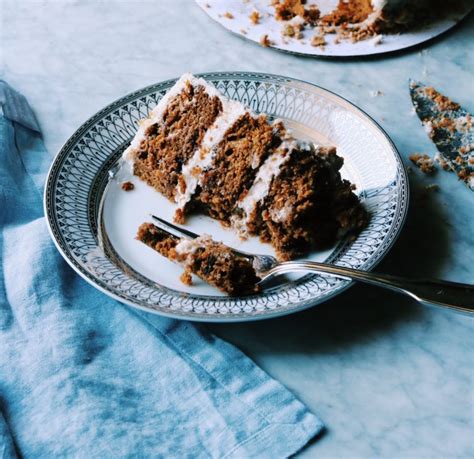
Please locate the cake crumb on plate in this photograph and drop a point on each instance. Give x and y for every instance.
(265, 41)
(127, 186)
(318, 40)
(255, 17)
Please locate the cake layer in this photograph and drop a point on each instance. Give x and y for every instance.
(204, 156)
(243, 215)
(212, 261)
(307, 205)
(172, 133)
(237, 159)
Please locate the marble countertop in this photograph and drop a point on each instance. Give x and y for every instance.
(388, 377)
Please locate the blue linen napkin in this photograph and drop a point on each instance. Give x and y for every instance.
(82, 375)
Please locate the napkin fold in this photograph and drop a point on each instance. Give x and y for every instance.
(82, 375)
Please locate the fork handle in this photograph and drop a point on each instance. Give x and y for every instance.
(451, 295)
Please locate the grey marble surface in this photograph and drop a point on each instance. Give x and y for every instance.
(389, 378)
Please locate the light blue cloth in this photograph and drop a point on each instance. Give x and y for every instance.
(83, 376)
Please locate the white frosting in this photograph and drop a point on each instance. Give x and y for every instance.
(378, 5)
(203, 157)
(187, 247)
(263, 180)
(156, 115)
(261, 184)
(281, 215)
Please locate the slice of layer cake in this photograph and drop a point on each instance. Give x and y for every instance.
(243, 170)
(213, 262)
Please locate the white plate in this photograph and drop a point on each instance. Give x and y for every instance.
(240, 24)
(138, 276)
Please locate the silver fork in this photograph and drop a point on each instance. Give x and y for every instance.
(451, 295)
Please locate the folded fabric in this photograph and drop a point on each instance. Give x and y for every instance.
(82, 375)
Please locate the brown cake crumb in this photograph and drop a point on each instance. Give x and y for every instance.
(265, 41)
(127, 186)
(423, 162)
(255, 17)
(465, 175)
(311, 15)
(318, 40)
(228, 15)
(288, 10)
(443, 102)
(186, 278)
(293, 31)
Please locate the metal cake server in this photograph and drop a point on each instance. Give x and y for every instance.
(449, 126)
(450, 295)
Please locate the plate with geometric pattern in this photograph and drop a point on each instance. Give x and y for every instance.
(93, 222)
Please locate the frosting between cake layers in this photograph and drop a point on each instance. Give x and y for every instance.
(156, 115)
(261, 184)
(264, 178)
(203, 157)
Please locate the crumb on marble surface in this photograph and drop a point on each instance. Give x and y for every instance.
(432, 187)
(442, 162)
(376, 93)
(228, 15)
(423, 162)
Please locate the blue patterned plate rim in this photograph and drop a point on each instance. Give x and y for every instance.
(168, 302)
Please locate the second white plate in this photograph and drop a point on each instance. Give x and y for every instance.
(240, 24)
